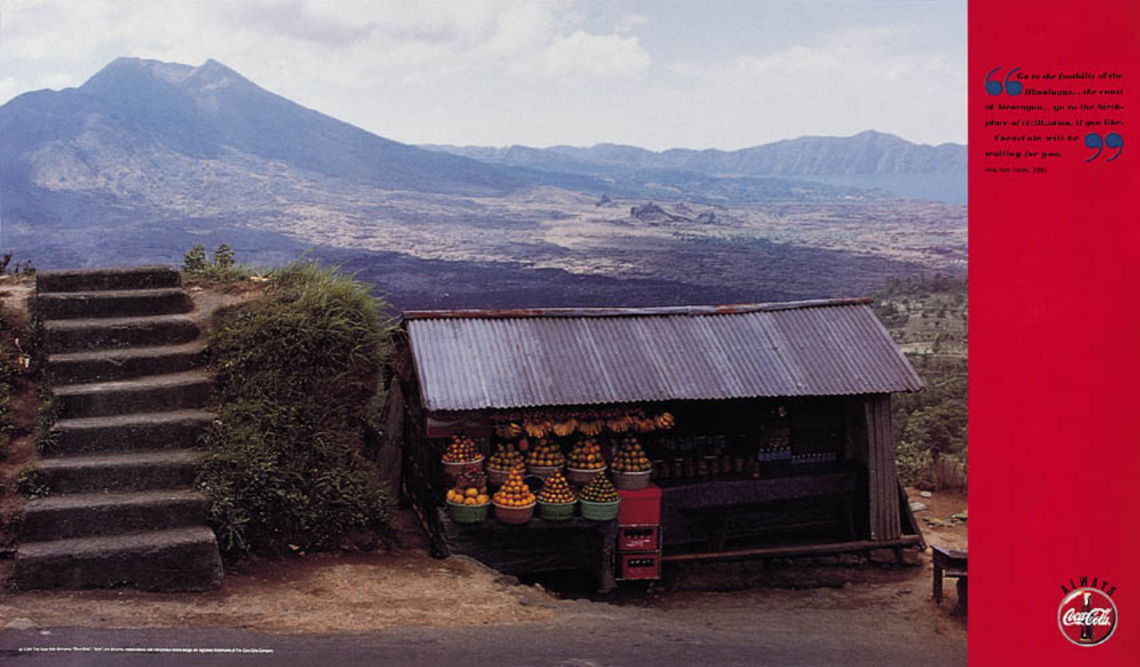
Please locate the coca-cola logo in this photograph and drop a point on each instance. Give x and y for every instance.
(1093, 617)
(1087, 617)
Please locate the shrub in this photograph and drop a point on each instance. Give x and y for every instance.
(194, 261)
(47, 414)
(221, 269)
(224, 257)
(30, 482)
(295, 373)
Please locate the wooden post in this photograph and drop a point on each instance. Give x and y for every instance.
(881, 474)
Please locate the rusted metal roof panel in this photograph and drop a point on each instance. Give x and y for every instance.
(469, 360)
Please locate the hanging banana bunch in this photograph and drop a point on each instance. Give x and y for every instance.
(565, 428)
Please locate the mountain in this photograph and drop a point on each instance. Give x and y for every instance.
(866, 160)
(147, 159)
(144, 111)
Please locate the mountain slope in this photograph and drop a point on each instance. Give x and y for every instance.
(141, 107)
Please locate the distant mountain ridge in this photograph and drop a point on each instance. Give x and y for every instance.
(865, 153)
(869, 159)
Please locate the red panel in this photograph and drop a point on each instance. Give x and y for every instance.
(640, 566)
(639, 538)
(1054, 331)
(640, 507)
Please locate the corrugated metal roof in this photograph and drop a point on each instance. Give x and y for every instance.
(470, 360)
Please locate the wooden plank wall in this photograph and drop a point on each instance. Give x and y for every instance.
(882, 477)
(389, 457)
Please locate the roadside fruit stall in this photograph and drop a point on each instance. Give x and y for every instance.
(615, 440)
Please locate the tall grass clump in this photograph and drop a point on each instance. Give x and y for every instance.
(295, 373)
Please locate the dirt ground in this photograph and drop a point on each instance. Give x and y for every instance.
(323, 593)
(942, 506)
(364, 592)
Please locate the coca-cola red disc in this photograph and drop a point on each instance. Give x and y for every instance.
(1087, 617)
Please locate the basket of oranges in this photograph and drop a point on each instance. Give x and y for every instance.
(585, 462)
(599, 500)
(631, 468)
(556, 501)
(462, 452)
(514, 501)
(545, 458)
(468, 502)
(506, 458)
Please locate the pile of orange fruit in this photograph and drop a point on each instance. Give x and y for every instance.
(631, 457)
(461, 449)
(468, 496)
(599, 490)
(514, 492)
(587, 455)
(470, 488)
(506, 457)
(556, 490)
(545, 453)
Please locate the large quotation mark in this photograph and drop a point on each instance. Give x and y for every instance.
(1112, 140)
(1011, 87)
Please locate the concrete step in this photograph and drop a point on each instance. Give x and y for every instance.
(62, 336)
(124, 364)
(179, 429)
(121, 472)
(118, 303)
(157, 393)
(184, 559)
(94, 514)
(91, 280)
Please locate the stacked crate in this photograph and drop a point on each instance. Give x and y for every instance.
(639, 534)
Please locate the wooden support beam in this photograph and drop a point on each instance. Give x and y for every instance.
(800, 550)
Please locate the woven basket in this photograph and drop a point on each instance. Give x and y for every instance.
(582, 475)
(543, 471)
(556, 511)
(514, 514)
(599, 511)
(468, 513)
(631, 481)
(454, 470)
(497, 477)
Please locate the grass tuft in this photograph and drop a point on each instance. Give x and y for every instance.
(295, 372)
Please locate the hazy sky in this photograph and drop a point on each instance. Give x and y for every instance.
(652, 73)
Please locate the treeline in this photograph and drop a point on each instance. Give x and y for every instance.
(932, 424)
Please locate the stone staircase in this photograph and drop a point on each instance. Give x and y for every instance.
(124, 357)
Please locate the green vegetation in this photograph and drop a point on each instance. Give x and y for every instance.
(221, 268)
(30, 482)
(47, 413)
(12, 368)
(928, 318)
(25, 270)
(296, 371)
(7, 418)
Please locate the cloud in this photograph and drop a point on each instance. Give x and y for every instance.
(864, 54)
(596, 55)
(297, 20)
(867, 77)
(629, 21)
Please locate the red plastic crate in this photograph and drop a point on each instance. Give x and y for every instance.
(640, 507)
(639, 538)
(645, 565)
